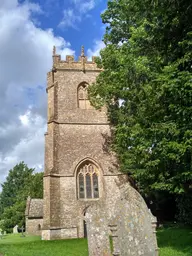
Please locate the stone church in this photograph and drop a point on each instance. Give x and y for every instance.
(79, 171)
(81, 177)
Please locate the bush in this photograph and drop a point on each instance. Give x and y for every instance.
(184, 208)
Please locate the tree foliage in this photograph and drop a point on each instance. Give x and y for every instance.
(146, 85)
(20, 183)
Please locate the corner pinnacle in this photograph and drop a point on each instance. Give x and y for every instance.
(82, 51)
(54, 50)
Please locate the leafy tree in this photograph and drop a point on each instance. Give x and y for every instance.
(147, 87)
(20, 183)
(15, 181)
(13, 215)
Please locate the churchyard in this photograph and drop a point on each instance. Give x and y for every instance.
(172, 241)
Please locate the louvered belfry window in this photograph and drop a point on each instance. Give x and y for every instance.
(87, 181)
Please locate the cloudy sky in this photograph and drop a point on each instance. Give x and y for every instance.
(28, 31)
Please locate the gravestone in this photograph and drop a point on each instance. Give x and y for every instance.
(130, 224)
(97, 231)
(133, 225)
(15, 229)
(22, 232)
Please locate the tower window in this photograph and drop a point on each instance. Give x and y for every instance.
(87, 181)
(82, 94)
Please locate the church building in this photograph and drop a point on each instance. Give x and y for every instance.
(84, 193)
(79, 169)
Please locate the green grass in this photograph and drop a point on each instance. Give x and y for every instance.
(172, 241)
(175, 241)
(15, 245)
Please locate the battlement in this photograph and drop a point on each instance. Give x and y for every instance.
(83, 64)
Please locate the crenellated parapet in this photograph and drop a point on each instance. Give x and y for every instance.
(83, 64)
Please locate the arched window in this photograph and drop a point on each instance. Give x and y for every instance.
(82, 94)
(87, 181)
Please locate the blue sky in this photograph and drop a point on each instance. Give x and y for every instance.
(77, 21)
(28, 31)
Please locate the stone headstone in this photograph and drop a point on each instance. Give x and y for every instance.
(22, 232)
(130, 225)
(134, 225)
(4, 233)
(97, 232)
(15, 229)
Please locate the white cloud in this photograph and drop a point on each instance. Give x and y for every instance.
(70, 19)
(84, 5)
(25, 58)
(66, 51)
(8, 4)
(25, 119)
(97, 47)
(74, 15)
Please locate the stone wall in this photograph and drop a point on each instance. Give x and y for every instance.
(34, 226)
(72, 210)
(34, 216)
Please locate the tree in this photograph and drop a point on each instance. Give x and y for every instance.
(20, 183)
(147, 87)
(15, 181)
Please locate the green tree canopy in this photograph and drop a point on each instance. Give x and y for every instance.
(15, 181)
(20, 183)
(146, 85)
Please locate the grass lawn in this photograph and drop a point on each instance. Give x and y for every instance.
(15, 245)
(173, 241)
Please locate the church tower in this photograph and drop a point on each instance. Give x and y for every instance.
(79, 171)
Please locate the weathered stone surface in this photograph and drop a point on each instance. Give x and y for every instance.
(130, 224)
(133, 219)
(97, 231)
(34, 216)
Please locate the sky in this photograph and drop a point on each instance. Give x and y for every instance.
(28, 31)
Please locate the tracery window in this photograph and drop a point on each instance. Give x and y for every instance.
(82, 93)
(87, 181)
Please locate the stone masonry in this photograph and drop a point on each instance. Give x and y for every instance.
(79, 172)
(130, 226)
(34, 216)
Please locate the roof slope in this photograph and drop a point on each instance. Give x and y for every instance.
(34, 208)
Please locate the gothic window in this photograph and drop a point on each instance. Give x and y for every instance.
(83, 101)
(87, 181)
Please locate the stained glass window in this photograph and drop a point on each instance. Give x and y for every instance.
(88, 183)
